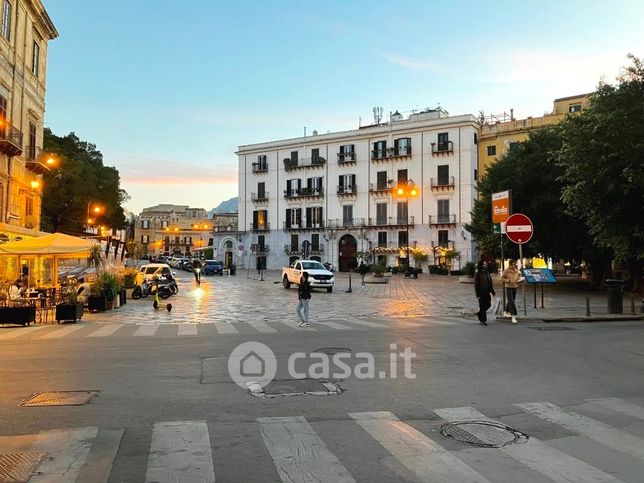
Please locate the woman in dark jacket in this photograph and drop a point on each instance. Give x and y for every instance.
(484, 289)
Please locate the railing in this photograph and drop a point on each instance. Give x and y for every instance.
(442, 182)
(10, 139)
(391, 246)
(436, 245)
(392, 221)
(346, 157)
(442, 148)
(347, 190)
(260, 167)
(36, 159)
(308, 225)
(259, 196)
(222, 228)
(296, 193)
(317, 249)
(258, 227)
(389, 153)
(290, 249)
(380, 187)
(303, 163)
(258, 249)
(442, 220)
(348, 223)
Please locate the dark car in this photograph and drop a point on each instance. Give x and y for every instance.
(213, 267)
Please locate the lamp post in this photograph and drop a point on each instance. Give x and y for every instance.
(97, 210)
(406, 190)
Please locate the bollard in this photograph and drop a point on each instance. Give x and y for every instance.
(587, 306)
(349, 291)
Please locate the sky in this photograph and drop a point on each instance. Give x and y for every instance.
(168, 90)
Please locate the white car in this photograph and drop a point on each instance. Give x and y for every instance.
(319, 277)
(152, 270)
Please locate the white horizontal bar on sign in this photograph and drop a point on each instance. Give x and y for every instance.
(519, 228)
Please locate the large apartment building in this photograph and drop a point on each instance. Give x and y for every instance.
(25, 30)
(331, 196)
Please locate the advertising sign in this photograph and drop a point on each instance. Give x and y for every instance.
(538, 275)
(501, 208)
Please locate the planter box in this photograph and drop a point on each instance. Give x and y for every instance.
(128, 292)
(69, 312)
(122, 297)
(96, 303)
(17, 315)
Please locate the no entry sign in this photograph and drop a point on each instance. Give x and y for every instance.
(519, 228)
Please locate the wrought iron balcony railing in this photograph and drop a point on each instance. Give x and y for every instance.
(10, 139)
(442, 219)
(445, 147)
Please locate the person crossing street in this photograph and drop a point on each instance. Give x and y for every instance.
(304, 295)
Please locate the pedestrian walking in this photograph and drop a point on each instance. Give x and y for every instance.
(362, 270)
(511, 278)
(484, 289)
(304, 295)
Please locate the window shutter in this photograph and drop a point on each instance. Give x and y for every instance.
(288, 187)
(353, 179)
(288, 218)
(309, 218)
(298, 216)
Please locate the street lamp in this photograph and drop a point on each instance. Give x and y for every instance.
(96, 210)
(406, 189)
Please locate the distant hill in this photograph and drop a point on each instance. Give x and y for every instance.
(228, 206)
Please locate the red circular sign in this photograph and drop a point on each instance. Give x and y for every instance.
(519, 228)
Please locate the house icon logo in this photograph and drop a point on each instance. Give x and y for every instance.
(252, 362)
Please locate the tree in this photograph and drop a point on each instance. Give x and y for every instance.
(602, 167)
(80, 179)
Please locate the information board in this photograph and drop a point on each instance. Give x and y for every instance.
(538, 275)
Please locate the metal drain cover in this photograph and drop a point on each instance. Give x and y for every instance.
(59, 398)
(488, 434)
(19, 467)
(294, 387)
(554, 327)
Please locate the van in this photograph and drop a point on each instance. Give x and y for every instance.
(152, 270)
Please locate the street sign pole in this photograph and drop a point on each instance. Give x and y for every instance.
(502, 268)
(525, 308)
(519, 229)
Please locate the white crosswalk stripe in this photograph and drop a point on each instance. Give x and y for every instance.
(105, 331)
(619, 406)
(225, 328)
(146, 330)
(62, 332)
(180, 451)
(589, 427)
(366, 323)
(299, 453)
(425, 458)
(19, 332)
(261, 327)
(187, 329)
(534, 454)
(334, 325)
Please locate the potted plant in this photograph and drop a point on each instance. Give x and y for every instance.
(129, 282)
(97, 301)
(420, 257)
(71, 309)
(450, 255)
(110, 288)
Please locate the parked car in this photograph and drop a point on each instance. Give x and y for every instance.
(152, 270)
(213, 267)
(319, 277)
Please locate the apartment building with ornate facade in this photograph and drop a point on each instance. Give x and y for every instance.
(25, 30)
(331, 196)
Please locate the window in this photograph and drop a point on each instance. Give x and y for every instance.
(476, 138)
(315, 155)
(314, 186)
(260, 220)
(347, 183)
(381, 180)
(145, 238)
(402, 176)
(443, 211)
(574, 108)
(145, 224)
(293, 187)
(491, 150)
(31, 152)
(379, 149)
(177, 240)
(402, 146)
(443, 141)
(6, 19)
(294, 158)
(347, 153)
(187, 240)
(261, 164)
(382, 238)
(443, 175)
(35, 66)
(29, 207)
(314, 217)
(381, 213)
(261, 190)
(164, 223)
(295, 243)
(315, 242)
(3, 115)
(443, 238)
(401, 212)
(293, 217)
(402, 238)
(513, 145)
(347, 215)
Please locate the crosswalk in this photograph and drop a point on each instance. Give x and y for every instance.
(92, 331)
(294, 448)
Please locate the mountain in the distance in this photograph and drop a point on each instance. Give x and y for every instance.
(228, 206)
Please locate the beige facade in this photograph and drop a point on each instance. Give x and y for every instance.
(25, 30)
(173, 229)
(498, 136)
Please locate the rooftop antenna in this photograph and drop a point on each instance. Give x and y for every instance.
(377, 114)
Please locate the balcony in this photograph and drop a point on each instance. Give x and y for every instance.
(391, 222)
(259, 249)
(442, 220)
(291, 249)
(346, 158)
(290, 164)
(308, 226)
(260, 226)
(445, 244)
(10, 139)
(347, 190)
(443, 148)
(260, 168)
(317, 249)
(304, 193)
(259, 197)
(442, 183)
(389, 247)
(347, 224)
(390, 153)
(381, 188)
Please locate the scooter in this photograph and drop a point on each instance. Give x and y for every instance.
(150, 288)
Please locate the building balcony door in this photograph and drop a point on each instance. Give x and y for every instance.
(348, 247)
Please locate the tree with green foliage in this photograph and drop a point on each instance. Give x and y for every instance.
(80, 178)
(601, 164)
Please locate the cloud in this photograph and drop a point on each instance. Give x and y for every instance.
(410, 63)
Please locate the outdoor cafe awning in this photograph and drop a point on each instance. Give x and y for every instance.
(58, 244)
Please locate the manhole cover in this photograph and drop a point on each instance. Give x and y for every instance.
(555, 327)
(487, 434)
(332, 350)
(19, 467)
(294, 387)
(59, 398)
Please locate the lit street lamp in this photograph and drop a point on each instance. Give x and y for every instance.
(97, 210)
(406, 190)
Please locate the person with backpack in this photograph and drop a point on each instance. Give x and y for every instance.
(304, 295)
(484, 289)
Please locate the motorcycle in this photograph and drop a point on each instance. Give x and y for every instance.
(170, 284)
(150, 288)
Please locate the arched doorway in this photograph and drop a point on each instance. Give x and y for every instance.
(347, 249)
(228, 254)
